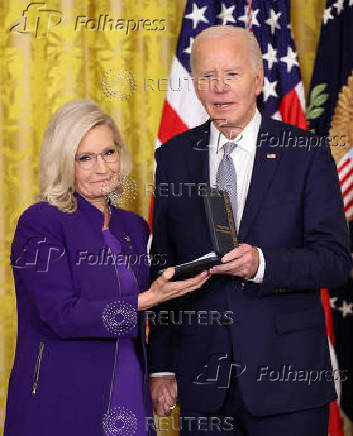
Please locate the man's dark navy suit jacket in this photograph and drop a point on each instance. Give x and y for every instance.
(294, 213)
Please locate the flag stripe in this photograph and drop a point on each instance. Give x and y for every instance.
(343, 164)
(291, 110)
(346, 176)
(171, 123)
(348, 188)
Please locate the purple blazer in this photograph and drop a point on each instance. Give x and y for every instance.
(67, 295)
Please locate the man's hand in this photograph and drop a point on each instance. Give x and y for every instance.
(242, 262)
(164, 393)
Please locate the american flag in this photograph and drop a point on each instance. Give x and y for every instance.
(330, 113)
(283, 94)
(328, 89)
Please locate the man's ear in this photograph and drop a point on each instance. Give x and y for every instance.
(259, 81)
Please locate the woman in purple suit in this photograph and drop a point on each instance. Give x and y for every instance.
(82, 282)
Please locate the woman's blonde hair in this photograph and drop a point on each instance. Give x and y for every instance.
(64, 132)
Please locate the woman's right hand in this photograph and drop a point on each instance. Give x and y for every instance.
(162, 289)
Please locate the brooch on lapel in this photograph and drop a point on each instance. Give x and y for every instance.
(128, 240)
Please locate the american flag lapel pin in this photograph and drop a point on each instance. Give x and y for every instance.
(271, 155)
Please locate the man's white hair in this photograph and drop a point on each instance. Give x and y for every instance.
(221, 31)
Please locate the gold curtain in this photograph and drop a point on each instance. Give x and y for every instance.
(306, 18)
(42, 69)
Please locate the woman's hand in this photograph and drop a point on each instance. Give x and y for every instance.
(162, 289)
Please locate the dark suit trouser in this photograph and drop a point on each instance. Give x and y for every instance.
(234, 419)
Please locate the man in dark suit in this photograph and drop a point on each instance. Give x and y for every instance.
(247, 354)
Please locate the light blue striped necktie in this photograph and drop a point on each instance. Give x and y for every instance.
(226, 177)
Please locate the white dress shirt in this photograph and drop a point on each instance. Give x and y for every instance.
(243, 157)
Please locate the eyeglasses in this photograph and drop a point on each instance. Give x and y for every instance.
(87, 161)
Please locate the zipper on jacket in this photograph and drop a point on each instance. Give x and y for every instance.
(37, 368)
(145, 368)
(113, 374)
(117, 340)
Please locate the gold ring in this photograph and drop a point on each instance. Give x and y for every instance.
(173, 407)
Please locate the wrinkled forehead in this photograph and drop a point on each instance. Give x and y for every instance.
(222, 52)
